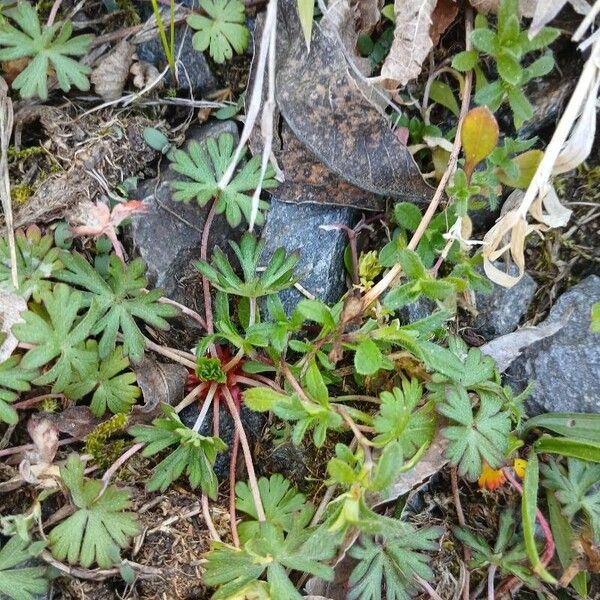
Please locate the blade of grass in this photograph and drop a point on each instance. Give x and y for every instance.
(581, 449)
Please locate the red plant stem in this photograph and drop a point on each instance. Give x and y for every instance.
(550, 547)
(232, 478)
(191, 396)
(256, 380)
(234, 361)
(203, 256)
(461, 521)
(239, 427)
(216, 416)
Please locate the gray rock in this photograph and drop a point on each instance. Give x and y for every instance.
(193, 74)
(167, 236)
(253, 425)
(321, 266)
(566, 366)
(417, 310)
(501, 311)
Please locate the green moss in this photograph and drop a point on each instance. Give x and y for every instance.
(104, 452)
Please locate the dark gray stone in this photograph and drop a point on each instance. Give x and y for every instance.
(566, 366)
(253, 425)
(418, 310)
(321, 266)
(193, 74)
(501, 311)
(167, 236)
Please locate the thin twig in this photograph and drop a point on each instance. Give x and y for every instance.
(208, 317)
(191, 397)
(117, 465)
(232, 478)
(170, 353)
(252, 481)
(53, 13)
(490, 581)
(204, 410)
(185, 310)
(6, 126)
(379, 288)
(142, 571)
(425, 585)
(208, 519)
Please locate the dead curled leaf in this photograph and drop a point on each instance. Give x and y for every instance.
(443, 16)
(144, 74)
(506, 348)
(11, 307)
(110, 75)
(345, 131)
(366, 14)
(412, 42)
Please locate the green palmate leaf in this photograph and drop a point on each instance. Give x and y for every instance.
(121, 299)
(476, 437)
(391, 562)
(60, 338)
(205, 167)
(18, 580)
(111, 388)
(194, 454)
(576, 488)
(400, 420)
(99, 527)
(50, 49)
(13, 378)
(276, 276)
(272, 552)
(281, 502)
(508, 552)
(222, 31)
(37, 261)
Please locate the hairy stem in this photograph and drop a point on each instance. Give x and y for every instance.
(490, 582)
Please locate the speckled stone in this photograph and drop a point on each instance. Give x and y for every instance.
(501, 311)
(566, 366)
(321, 266)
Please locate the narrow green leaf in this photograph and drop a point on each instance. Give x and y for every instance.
(305, 12)
(528, 515)
(581, 449)
(580, 426)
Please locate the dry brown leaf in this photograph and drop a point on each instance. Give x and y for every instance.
(110, 75)
(37, 467)
(443, 16)
(505, 349)
(145, 73)
(366, 14)
(11, 307)
(542, 11)
(412, 42)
